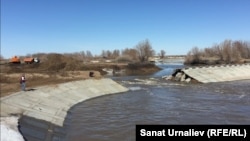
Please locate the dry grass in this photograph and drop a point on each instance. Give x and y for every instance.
(10, 82)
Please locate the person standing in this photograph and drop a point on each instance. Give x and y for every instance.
(22, 82)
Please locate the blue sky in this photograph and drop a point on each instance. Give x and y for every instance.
(67, 26)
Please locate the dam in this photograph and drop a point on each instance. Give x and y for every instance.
(51, 103)
(210, 74)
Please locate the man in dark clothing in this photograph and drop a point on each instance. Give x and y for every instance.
(22, 82)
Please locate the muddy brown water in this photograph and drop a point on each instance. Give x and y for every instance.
(150, 100)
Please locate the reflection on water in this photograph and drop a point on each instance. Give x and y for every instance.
(152, 100)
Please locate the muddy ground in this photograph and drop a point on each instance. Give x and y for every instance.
(42, 74)
(10, 82)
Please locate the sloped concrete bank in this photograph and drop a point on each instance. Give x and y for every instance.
(51, 103)
(210, 74)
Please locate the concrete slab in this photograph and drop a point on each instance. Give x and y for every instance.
(51, 103)
(219, 73)
(67, 102)
(7, 109)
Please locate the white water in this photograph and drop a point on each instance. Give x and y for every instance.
(9, 129)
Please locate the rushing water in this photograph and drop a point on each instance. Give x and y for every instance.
(152, 100)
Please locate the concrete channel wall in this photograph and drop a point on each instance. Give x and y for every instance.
(210, 74)
(51, 103)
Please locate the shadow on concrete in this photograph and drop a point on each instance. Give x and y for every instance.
(39, 130)
(32, 89)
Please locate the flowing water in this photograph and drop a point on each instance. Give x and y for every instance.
(152, 100)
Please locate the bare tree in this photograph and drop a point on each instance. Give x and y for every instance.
(89, 54)
(104, 54)
(132, 53)
(218, 51)
(109, 54)
(227, 50)
(162, 54)
(116, 53)
(193, 56)
(236, 54)
(247, 46)
(83, 55)
(144, 50)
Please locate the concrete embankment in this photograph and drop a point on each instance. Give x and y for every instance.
(210, 74)
(51, 103)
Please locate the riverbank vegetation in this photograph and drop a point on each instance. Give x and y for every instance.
(227, 52)
(55, 68)
(78, 61)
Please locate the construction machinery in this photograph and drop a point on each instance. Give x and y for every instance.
(15, 60)
(30, 60)
(27, 60)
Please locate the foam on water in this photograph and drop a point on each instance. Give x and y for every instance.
(9, 130)
(134, 88)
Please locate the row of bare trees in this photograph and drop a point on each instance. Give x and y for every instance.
(226, 52)
(139, 53)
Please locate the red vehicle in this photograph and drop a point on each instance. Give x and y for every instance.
(15, 60)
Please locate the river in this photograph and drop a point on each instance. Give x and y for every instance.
(153, 100)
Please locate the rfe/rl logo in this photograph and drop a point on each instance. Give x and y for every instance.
(226, 132)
